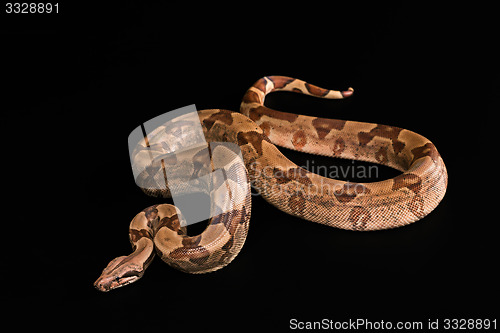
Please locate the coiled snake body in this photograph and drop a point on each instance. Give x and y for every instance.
(256, 130)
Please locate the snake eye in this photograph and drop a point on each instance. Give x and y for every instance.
(117, 279)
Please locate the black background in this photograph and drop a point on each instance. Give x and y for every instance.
(78, 82)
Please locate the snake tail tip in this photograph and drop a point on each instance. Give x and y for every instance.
(348, 92)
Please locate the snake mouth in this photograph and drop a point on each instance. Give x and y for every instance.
(106, 283)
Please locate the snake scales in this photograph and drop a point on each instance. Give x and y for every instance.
(256, 130)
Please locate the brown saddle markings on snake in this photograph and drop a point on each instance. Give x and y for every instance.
(349, 191)
(135, 235)
(383, 131)
(324, 126)
(259, 112)
(408, 180)
(426, 150)
(316, 91)
(254, 139)
(413, 183)
(261, 85)
(279, 82)
(251, 97)
(381, 155)
(171, 222)
(338, 147)
(223, 117)
(353, 206)
(299, 140)
(191, 242)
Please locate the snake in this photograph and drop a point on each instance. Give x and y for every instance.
(257, 131)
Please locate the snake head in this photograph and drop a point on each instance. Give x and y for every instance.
(119, 272)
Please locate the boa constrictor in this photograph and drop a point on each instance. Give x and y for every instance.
(256, 130)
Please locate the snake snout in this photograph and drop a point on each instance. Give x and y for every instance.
(107, 283)
(118, 276)
(102, 284)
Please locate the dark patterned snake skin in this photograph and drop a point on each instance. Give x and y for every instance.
(257, 130)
